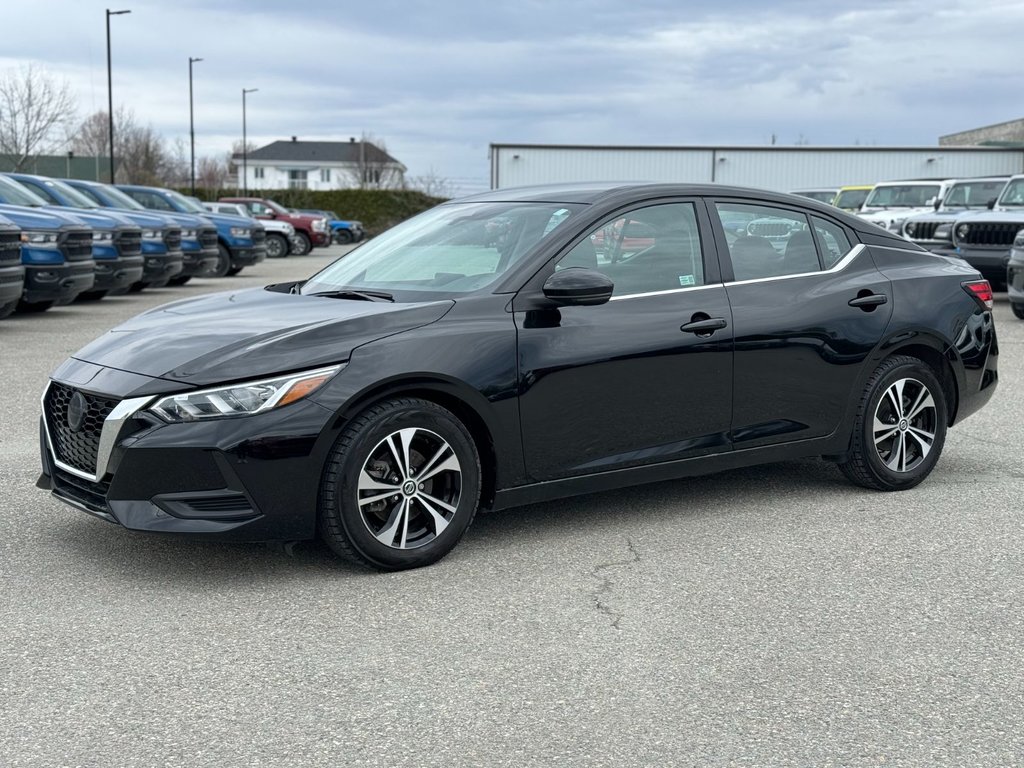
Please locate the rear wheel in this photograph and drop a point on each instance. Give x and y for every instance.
(342, 237)
(277, 246)
(900, 427)
(303, 244)
(401, 486)
(234, 271)
(1018, 310)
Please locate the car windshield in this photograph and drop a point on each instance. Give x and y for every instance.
(76, 198)
(1013, 194)
(13, 193)
(277, 208)
(903, 195)
(973, 194)
(182, 202)
(119, 198)
(851, 199)
(448, 250)
(821, 195)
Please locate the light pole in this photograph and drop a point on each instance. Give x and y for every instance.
(110, 93)
(245, 148)
(192, 125)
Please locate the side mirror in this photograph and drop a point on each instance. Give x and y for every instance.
(578, 286)
(991, 204)
(937, 204)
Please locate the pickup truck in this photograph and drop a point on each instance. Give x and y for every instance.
(196, 238)
(12, 273)
(241, 242)
(160, 264)
(343, 231)
(311, 231)
(281, 239)
(56, 251)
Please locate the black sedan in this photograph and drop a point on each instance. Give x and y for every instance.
(517, 346)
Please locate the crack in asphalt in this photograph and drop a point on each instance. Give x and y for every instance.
(607, 584)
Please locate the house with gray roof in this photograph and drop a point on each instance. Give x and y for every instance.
(298, 164)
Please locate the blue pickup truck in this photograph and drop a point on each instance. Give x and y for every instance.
(241, 242)
(56, 252)
(197, 238)
(160, 263)
(343, 231)
(12, 273)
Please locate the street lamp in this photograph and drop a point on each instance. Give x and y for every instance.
(110, 93)
(192, 124)
(245, 148)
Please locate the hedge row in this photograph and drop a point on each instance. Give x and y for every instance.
(377, 209)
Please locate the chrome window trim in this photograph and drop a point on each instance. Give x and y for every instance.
(665, 292)
(123, 411)
(839, 266)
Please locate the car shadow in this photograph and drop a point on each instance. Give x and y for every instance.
(125, 555)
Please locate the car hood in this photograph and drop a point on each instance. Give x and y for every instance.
(889, 214)
(39, 218)
(97, 220)
(187, 220)
(1015, 215)
(227, 220)
(238, 335)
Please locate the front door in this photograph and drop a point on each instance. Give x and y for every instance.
(633, 381)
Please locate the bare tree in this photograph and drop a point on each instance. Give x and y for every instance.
(433, 184)
(142, 155)
(374, 168)
(34, 111)
(212, 173)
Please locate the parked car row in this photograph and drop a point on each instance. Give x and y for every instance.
(65, 240)
(980, 220)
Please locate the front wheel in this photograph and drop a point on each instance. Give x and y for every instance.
(1018, 310)
(900, 427)
(342, 237)
(6, 310)
(401, 486)
(179, 279)
(222, 265)
(303, 244)
(277, 246)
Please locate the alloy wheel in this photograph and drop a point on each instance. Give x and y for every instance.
(905, 425)
(409, 488)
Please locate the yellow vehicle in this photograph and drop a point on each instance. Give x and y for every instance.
(852, 198)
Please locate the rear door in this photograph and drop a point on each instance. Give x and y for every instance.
(808, 306)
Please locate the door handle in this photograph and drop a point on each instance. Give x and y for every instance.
(870, 301)
(704, 327)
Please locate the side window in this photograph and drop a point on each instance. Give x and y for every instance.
(650, 249)
(91, 195)
(766, 241)
(258, 209)
(832, 240)
(151, 201)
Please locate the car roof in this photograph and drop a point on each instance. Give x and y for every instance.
(854, 187)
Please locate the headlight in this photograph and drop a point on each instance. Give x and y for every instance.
(152, 234)
(242, 399)
(963, 230)
(288, 229)
(1018, 241)
(188, 233)
(39, 239)
(102, 237)
(241, 232)
(320, 225)
(910, 228)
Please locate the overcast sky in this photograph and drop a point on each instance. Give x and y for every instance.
(440, 80)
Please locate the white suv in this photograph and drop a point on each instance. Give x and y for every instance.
(891, 202)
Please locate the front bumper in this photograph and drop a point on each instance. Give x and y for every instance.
(988, 261)
(12, 283)
(252, 478)
(58, 282)
(320, 239)
(247, 256)
(118, 272)
(196, 261)
(1015, 276)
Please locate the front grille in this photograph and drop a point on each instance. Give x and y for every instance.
(76, 246)
(993, 233)
(75, 448)
(10, 246)
(922, 230)
(259, 235)
(213, 504)
(172, 238)
(129, 242)
(86, 492)
(208, 238)
(768, 228)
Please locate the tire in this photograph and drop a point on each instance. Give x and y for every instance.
(140, 286)
(1018, 310)
(277, 246)
(35, 306)
(343, 237)
(904, 448)
(6, 310)
(306, 245)
(179, 279)
(223, 265)
(414, 526)
(91, 296)
(234, 271)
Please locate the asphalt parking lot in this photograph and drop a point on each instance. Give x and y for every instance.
(770, 616)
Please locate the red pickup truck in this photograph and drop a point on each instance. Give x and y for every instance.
(310, 231)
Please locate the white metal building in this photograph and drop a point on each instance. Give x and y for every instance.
(777, 168)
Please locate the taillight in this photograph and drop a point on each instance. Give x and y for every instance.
(981, 291)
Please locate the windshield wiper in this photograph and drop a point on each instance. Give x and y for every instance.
(352, 293)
